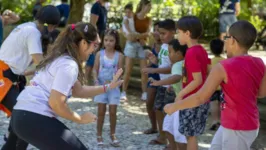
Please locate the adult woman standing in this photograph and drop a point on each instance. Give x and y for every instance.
(20, 48)
(59, 76)
(134, 47)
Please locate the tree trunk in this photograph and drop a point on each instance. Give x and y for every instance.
(76, 11)
(249, 3)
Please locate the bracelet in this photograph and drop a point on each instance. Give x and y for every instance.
(104, 88)
(108, 88)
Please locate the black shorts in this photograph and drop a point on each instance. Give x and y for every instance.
(216, 96)
(10, 99)
(193, 121)
(163, 97)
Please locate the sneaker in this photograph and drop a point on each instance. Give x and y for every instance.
(144, 96)
(123, 96)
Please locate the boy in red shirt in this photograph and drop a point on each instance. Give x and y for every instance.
(193, 120)
(243, 80)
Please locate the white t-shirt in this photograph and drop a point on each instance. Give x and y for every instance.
(131, 25)
(17, 48)
(164, 61)
(60, 75)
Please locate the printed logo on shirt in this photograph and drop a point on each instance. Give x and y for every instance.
(163, 52)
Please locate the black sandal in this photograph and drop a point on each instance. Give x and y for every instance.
(150, 131)
(215, 126)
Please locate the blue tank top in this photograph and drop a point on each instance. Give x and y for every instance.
(154, 75)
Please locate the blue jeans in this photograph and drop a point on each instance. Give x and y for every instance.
(225, 21)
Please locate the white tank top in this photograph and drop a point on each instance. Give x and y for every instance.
(131, 25)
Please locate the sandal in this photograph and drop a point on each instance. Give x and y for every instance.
(167, 147)
(215, 126)
(150, 131)
(156, 142)
(100, 141)
(115, 142)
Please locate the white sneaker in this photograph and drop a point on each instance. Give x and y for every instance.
(123, 96)
(144, 96)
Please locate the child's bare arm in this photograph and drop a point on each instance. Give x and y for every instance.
(121, 62)
(238, 8)
(166, 70)
(126, 22)
(217, 75)
(96, 68)
(171, 80)
(197, 80)
(262, 90)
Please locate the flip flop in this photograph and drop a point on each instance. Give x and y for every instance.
(150, 131)
(156, 142)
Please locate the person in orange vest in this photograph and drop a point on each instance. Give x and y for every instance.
(20, 48)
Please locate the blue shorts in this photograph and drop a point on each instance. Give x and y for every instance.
(155, 76)
(225, 21)
(90, 61)
(111, 98)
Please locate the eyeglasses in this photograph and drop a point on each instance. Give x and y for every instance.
(228, 37)
(95, 44)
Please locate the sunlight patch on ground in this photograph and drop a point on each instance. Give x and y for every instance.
(204, 145)
(137, 132)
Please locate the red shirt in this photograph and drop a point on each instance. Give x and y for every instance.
(244, 77)
(196, 60)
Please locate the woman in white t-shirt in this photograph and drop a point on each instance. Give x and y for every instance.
(59, 76)
(20, 48)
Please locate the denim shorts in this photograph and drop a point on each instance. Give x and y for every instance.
(111, 98)
(134, 50)
(225, 21)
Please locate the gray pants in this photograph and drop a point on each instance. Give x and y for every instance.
(227, 139)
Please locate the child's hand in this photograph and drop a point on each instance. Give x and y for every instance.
(7, 12)
(170, 89)
(87, 117)
(116, 82)
(169, 109)
(152, 58)
(153, 82)
(148, 70)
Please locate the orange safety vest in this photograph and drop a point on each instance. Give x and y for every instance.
(5, 85)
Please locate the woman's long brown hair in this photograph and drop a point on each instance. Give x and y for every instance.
(141, 4)
(67, 43)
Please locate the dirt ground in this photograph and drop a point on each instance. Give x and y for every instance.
(132, 121)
